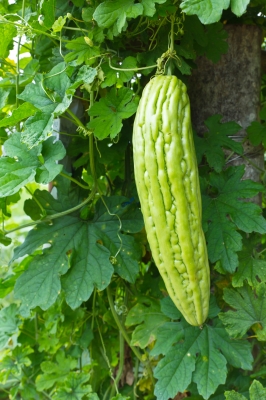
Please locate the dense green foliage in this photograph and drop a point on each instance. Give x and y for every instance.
(84, 312)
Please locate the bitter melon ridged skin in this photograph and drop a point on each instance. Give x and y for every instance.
(167, 182)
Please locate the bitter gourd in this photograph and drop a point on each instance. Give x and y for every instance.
(167, 182)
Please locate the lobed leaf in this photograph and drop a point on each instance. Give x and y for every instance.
(21, 165)
(149, 6)
(147, 313)
(223, 239)
(174, 371)
(52, 95)
(210, 11)
(9, 326)
(256, 391)
(249, 306)
(200, 355)
(209, 364)
(114, 13)
(54, 372)
(80, 250)
(109, 112)
(24, 111)
(213, 142)
(7, 33)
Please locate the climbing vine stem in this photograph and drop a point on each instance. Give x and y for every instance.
(124, 333)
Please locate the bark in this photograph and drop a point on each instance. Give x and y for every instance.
(263, 62)
(231, 88)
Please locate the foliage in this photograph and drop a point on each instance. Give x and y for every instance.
(84, 313)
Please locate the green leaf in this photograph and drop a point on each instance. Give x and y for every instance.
(48, 11)
(201, 356)
(223, 241)
(114, 13)
(51, 152)
(250, 267)
(29, 72)
(85, 75)
(52, 95)
(257, 133)
(169, 308)
(210, 366)
(74, 387)
(40, 284)
(20, 354)
(239, 7)
(12, 364)
(47, 201)
(237, 353)
(4, 93)
(149, 8)
(94, 396)
(222, 236)
(16, 172)
(37, 129)
(82, 246)
(86, 337)
(195, 32)
(166, 335)
(35, 94)
(147, 313)
(24, 111)
(214, 309)
(113, 77)
(110, 111)
(7, 285)
(213, 142)
(54, 372)
(216, 42)
(59, 23)
(174, 371)
(208, 11)
(234, 396)
(81, 52)
(263, 113)
(249, 309)
(256, 391)
(9, 326)
(20, 164)
(5, 240)
(128, 63)
(7, 33)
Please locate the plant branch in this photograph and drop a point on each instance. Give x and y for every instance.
(76, 119)
(136, 373)
(252, 163)
(74, 180)
(54, 216)
(106, 358)
(125, 335)
(120, 326)
(17, 67)
(130, 69)
(91, 144)
(121, 363)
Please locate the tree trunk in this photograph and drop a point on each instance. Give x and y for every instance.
(231, 88)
